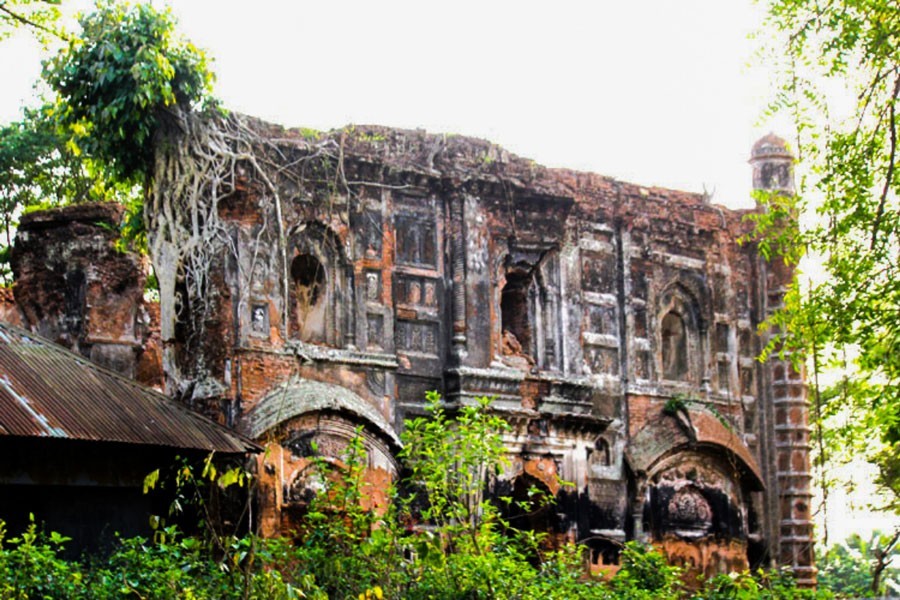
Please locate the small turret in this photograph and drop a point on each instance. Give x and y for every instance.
(773, 165)
(785, 402)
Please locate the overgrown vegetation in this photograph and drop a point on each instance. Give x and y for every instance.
(439, 540)
(136, 97)
(40, 169)
(861, 567)
(133, 107)
(120, 85)
(840, 83)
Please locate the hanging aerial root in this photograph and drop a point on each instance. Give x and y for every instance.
(198, 164)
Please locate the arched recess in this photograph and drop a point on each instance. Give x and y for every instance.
(682, 322)
(531, 505)
(528, 305)
(319, 287)
(696, 492)
(309, 429)
(516, 310)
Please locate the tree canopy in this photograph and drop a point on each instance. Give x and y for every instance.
(136, 97)
(118, 82)
(840, 82)
(113, 86)
(39, 169)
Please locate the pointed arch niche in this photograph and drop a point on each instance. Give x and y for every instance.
(528, 303)
(318, 287)
(680, 336)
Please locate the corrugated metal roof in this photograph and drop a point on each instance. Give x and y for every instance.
(47, 391)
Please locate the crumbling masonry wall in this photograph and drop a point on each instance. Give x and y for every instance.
(76, 288)
(615, 326)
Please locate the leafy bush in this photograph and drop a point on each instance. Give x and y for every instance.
(464, 550)
(117, 81)
(31, 568)
(850, 569)
(645, 574)
(763, 585)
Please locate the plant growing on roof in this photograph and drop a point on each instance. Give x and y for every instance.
(137, 97)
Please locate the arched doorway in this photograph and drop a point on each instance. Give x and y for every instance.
(313, 432)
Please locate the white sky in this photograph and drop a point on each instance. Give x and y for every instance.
(653, 92)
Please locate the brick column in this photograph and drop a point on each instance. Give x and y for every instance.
(458, 273)
(787, 438)
(792, 461)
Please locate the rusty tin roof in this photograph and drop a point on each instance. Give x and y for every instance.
(48, 391)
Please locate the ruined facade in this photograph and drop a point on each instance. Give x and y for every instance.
(74, 287)
(614, 325)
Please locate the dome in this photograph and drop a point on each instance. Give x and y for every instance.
(770, 146)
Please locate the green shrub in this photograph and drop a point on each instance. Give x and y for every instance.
(849, 569)
(462, 551)
(31, 568)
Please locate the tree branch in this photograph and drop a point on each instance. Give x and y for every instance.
(889, 176)
(882, 559)
(869, 93)
(22, 19)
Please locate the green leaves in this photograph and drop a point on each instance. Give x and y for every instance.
(861, 567)
(762, 585)
(116, 82)
(39, 16)
(452, 459)
(115, 87)
(646, 574)
(151, 480)
(39, 169)
(840, 81)
(344, 549)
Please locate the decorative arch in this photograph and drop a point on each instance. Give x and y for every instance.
(516, 309)
(300, 396)
(693, 429)
(695, 481)
(528, 304)
(600, 454)
(693, 286)
(698, 509)
(319, 298)
(694, 493)
(683, 317)
(310, 428)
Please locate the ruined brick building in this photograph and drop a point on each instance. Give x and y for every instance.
(614, 325)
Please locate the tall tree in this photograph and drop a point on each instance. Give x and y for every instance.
(840, 81)
(136, 96)
(125, 80)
